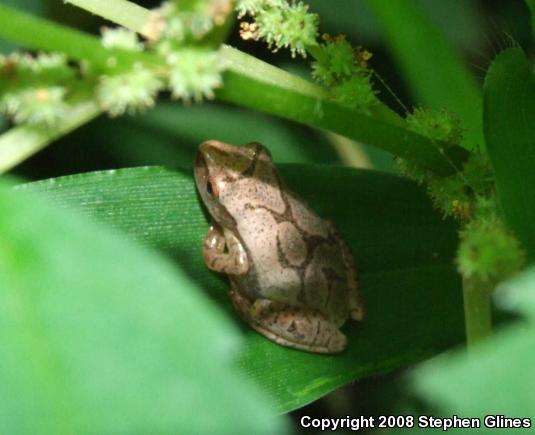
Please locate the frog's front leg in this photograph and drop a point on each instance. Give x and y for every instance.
(296, 327)
(223, 252)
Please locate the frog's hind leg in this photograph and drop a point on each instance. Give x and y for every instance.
(295, 327)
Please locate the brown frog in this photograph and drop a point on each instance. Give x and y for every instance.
(292, 277)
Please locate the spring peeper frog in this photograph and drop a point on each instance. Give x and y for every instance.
(292, 276)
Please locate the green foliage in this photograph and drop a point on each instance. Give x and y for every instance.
(132, 91)
(344, 71)
(248, 82)
(188, 72)
(497, 377)
(119, 341)
(531, 4)
(282, 24)
(33, 89)
(436, 74)
(194, 74)
(510, 136)
(121, 38)
(460, 194)
(488, 251)
(438, 125)
(337, 62)
(36, 105)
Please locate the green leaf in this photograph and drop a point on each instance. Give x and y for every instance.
(435, 73)
(101, 336)
(531, 5)
(510, 135)
(404, 251)
(496, 378)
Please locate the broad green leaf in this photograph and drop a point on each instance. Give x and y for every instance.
(404, 251)
(101, 336)
(435, 73)
(510, 135)
(496, 378)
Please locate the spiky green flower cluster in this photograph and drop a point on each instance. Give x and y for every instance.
(456, 195)
(343, 70)
(489, 252)
(336, 63)
(130, 92)
(190, 22)
(191, 74)
(451, 196)
(438, 125)
(280, 23)
(33, 87)
(254, 7)
(194, 75)
(356, 92)
(19, 70)
(43, 105)
(122, 38)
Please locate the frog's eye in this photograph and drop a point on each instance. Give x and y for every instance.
(211, 189)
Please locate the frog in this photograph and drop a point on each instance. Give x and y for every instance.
(292, 276)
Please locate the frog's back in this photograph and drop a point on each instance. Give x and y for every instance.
(296, 255)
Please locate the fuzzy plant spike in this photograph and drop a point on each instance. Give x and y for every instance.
(489, 252)
(20, 70)
(122, 38)
(192, 22)
(281, 24)
(335, 63)
(439, 125)
(131, 92)
(194, 74)
(41, 105)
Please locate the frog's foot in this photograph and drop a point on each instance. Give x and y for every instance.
(224, 254)
(296, 327)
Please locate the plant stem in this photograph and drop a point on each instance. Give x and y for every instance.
(477, 310)
(256, 84)
(248, 82)
(42, 34)
(19, 143)
(125, 13)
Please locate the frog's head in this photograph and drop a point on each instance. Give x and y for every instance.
(220, 168)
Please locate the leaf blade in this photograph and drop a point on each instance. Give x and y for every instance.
(403, 249)
(444, 82)
(91, 340)
(509, 115)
